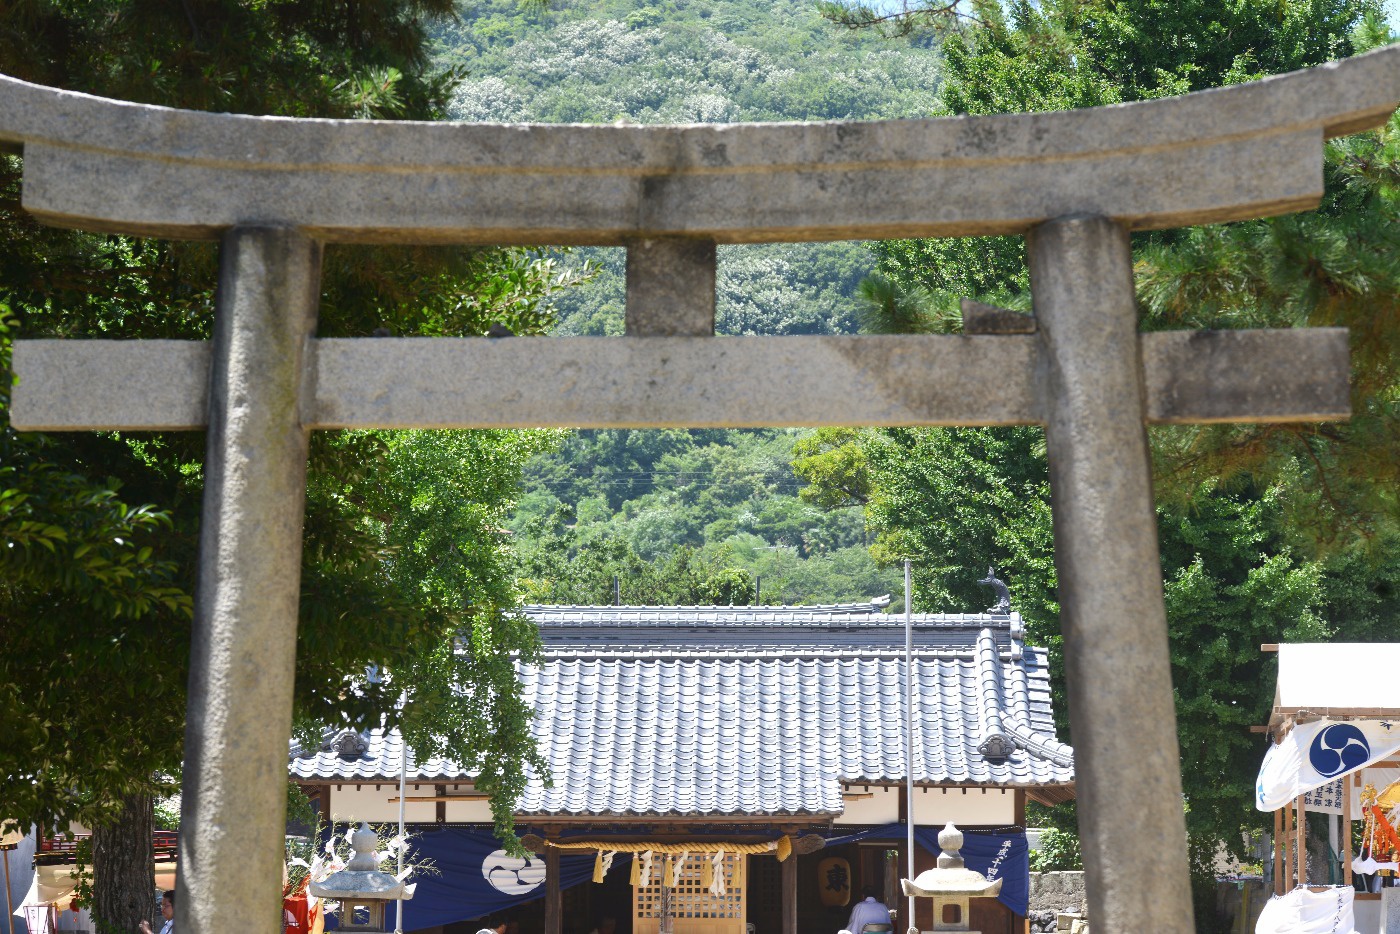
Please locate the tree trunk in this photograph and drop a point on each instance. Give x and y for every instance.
(123, 869)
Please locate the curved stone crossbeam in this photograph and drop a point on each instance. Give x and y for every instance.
(1227, 154)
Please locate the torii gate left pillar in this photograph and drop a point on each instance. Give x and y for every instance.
(1074, 182)
(243, 646)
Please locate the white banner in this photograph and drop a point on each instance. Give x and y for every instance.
(1303, 912)
(1313, 754)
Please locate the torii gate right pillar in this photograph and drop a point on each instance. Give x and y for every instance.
(1112, 614)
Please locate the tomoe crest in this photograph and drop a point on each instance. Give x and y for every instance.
(1337, 749)
(512, 874)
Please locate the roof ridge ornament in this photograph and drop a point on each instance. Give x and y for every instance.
(349, 744)
(1003, 604)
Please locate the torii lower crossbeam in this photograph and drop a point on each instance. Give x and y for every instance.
(694, 382)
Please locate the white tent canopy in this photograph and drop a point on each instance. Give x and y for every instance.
(1338, 679)
(1339, 699)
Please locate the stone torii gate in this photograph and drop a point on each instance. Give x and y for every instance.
(273, 190)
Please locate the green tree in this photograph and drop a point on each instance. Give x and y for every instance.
(729, 496)
(559, 566)
(99, 530)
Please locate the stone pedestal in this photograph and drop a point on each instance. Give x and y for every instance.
(1390, 911)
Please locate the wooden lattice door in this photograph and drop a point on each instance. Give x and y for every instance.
(693, 909)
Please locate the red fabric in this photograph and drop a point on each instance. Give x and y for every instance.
(295, 915)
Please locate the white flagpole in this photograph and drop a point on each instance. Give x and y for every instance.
(403, 772)
(909, 730)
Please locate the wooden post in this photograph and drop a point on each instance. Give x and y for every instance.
(667, 923)
(9, 908)
(790, 894)
(1302, 857)
(1291, 844)
(1278, 852)
(553, 905)
(1346, 829)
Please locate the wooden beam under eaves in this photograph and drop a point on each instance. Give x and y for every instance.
(478, 796)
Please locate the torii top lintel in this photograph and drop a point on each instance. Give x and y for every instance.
(1226, 154)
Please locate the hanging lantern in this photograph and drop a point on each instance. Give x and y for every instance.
(834, 882)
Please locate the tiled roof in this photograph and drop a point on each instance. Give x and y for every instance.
(757, 710)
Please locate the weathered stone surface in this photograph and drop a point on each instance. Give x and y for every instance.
(85, 384)
(1117, 666)
(1058, 892)
(1227, 154)
(981, 318)
(1390, 909)
(675, 382)
(1246, 376)
(243, 644)
(670, 287)
(1191, 376)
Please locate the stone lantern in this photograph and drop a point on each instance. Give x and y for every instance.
(361, 887)
(951, 885)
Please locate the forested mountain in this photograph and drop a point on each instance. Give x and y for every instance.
(677, 61)
(681, 61)
(704, 515)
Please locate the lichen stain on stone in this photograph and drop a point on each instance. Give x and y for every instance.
(715, 156)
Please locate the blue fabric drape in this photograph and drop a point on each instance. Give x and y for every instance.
(996, 855)
(461, 891)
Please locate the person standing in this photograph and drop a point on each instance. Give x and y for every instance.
(870, 911)
(494, 925)
(167, 912)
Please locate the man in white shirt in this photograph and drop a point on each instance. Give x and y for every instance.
(496, 925)
(870, 911)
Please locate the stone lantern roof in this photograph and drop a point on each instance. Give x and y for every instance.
(951, 878)
(361, 878)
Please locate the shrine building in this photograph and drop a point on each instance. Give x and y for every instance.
(761, 746)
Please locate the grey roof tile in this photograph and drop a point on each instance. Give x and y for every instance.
(757, 710)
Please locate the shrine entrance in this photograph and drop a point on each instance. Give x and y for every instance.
(695, 905)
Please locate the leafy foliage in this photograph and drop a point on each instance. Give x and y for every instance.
(329, 59)
(684, 517)
(680, 61)
(1058, 852)
(692, 61)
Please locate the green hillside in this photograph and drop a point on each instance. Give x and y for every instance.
(692, 61)
(679, 61)
(687, 516)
